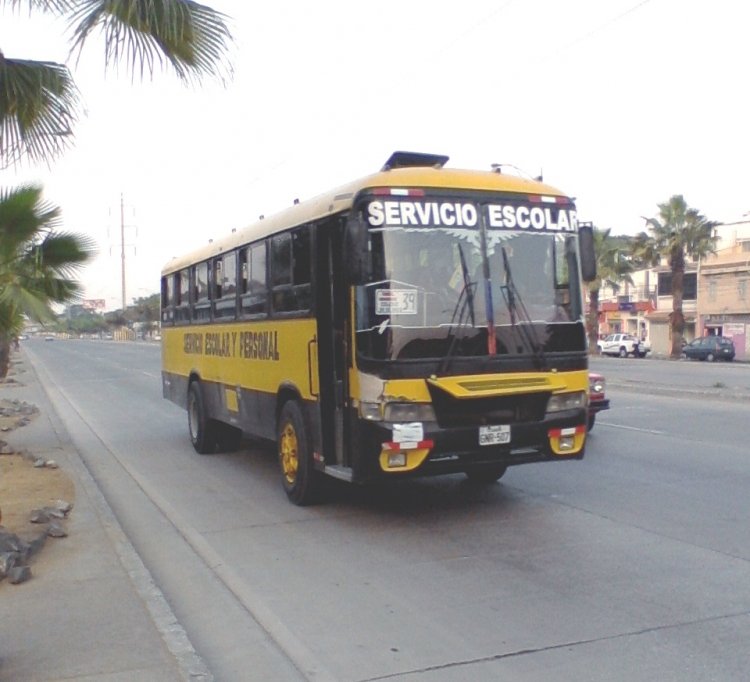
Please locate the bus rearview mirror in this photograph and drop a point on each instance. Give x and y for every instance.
(587, 251)
(356, 252)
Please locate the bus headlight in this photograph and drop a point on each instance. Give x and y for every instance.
(409, 412)
(396, 412)
(372, 412)
(566, 401)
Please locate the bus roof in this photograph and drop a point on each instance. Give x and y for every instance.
(341, 198)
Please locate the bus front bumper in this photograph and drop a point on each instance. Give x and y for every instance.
(458, 449)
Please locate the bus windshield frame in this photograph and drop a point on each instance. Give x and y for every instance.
(468, 277)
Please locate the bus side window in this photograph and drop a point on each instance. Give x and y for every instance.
(290, 271)
(182, 296)
(253, 288)
(217, 279)
(225, 285)
(302, 268)
(167, 299)
(201, 300)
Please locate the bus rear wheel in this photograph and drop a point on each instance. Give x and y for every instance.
(204, 432)
(302, 483)
(487, 474)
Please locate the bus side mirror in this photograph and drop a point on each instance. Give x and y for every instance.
(356, 252)
(587, 251)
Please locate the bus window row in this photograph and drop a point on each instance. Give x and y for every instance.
(272, 276)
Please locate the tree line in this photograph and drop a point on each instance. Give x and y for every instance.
(143, 315)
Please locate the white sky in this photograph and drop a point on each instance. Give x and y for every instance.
(621, 103)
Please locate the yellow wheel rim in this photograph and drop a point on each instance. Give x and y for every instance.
(289, 453)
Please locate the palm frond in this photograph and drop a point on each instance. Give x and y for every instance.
(11, 321)
(22, 301)
(190, 37)
(24, 215)
(50, 6)
(612, 264)
(678, 232)
(37, 262)
(63, 253)
(39, 104)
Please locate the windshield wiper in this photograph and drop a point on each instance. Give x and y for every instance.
(516, 308)
(464, 303)
(468, 285)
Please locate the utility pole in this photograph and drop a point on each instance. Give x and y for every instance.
(122, 248)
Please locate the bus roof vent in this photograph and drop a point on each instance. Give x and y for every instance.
(414, 159)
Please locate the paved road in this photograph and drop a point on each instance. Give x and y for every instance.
(728, 379)
(633, 564)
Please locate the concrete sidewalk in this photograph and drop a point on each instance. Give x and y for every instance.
(91, 610)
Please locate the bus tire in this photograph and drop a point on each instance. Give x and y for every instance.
(592, 421)
(487, 474)
(302, 483)
(204, 432)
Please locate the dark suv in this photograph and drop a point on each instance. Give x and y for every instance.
(710, 348)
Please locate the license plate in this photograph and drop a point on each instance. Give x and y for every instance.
(494, 435)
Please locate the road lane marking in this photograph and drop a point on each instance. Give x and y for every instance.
(633, 428)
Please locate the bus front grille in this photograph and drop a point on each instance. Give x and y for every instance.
(507, 409)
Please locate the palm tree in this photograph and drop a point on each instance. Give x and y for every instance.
(39, 101)
(612, 268)
(37, 263)
(679, 233)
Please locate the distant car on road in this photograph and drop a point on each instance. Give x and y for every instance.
(49, 338)
(709, 348)
(622, 345)
(598, 401)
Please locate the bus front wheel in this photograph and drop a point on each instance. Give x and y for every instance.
(302, 483)
(204, 432)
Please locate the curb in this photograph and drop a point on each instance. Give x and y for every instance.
(188, 662)
(718, 394)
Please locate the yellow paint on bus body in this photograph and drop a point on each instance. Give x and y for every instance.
(260, 356)
(487, 385)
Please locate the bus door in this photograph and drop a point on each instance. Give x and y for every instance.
(331, 311)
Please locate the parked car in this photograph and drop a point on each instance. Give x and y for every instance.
(623, 345)
(709, 348)
(597, 398)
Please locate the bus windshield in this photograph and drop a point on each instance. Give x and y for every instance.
(438, 291)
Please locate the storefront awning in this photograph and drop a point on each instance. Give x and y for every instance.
(662, 317)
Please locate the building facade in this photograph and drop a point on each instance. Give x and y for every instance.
(724, 296)
(716, 297)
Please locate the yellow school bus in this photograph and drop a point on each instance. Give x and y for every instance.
(421, 320)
